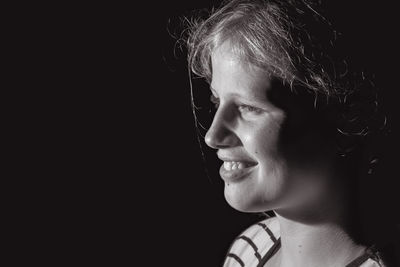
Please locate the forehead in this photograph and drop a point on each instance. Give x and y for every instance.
(231, 73)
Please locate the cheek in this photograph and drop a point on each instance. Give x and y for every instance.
(264, 145)
(261, 141)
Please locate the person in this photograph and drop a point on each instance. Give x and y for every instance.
(291, 124)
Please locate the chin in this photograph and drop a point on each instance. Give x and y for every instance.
(246, 202)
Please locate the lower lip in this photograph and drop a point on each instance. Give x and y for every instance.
(234, 175)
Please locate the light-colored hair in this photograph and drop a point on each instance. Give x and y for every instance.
(295, 44)
(268, 34)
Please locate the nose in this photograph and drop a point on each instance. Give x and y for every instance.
(221, 133)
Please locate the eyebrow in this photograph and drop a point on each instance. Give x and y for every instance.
(252, 99)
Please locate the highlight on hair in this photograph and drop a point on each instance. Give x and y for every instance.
(267, 34)
(295, 44)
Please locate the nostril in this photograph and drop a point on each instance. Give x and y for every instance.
(221, 138)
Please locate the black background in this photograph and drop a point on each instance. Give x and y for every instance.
(124, 177)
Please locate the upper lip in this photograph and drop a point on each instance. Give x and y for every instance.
(235, 158)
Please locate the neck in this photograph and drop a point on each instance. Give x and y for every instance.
(319, 231)
(326, 243)
(322, 237)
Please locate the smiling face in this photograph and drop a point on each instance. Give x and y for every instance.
(261, 169)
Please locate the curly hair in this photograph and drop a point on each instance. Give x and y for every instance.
(294, 44)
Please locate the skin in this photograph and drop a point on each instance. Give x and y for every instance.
(292, 168)
(291, 159)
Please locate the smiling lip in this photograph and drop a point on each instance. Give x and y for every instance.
(234, 174)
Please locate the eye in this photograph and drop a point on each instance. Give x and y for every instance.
(249, 109)
(214, 100)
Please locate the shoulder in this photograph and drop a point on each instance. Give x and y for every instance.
(253, 244)
(368, 261)
(372, 258)
(267, 229)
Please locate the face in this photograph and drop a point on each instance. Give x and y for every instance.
(261, 168)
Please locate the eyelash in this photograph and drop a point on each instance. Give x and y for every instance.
(214, 100)
(247, 108)
(242, 107)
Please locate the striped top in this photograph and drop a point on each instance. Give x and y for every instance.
(257, 244)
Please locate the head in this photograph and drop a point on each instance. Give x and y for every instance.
(281, 104)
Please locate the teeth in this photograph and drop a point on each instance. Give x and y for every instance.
(227, 165)
(233, 165)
